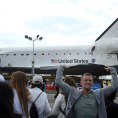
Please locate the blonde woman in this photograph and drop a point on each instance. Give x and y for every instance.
(19, 84)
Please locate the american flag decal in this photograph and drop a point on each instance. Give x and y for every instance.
(54, 60)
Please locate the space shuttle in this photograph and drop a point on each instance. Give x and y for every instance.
(47, 59)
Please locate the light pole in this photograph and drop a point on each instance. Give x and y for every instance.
(33, 61)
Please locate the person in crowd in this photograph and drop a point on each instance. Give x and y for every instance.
(109, 99)
(29, 83)
(104, 84)
(112, 107)
(57, 90)
(44, 85)
(6, 102)
(61, 100)
(108, 82)
(41, 103)
(86, 103)
(21, 95)
(2, 78)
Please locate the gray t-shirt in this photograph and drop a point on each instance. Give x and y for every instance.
(86, 107)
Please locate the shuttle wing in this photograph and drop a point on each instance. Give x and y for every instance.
(94, 69)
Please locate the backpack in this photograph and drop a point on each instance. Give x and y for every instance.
(33, 109)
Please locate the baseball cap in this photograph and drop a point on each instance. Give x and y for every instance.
(37, 79)
(2, 78)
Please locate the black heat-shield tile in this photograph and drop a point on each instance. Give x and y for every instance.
(94, 69)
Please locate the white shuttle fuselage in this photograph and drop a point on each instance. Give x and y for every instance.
(54, 56)
(105, 51)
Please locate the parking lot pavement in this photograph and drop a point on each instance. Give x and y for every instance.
(51, 99)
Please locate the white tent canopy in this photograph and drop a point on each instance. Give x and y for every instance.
(108, 77)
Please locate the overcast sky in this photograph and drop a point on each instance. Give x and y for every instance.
(59, 22)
